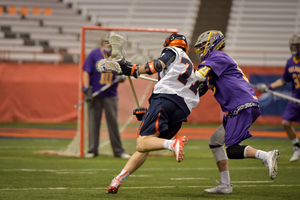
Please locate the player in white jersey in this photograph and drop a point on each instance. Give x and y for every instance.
(172, 100)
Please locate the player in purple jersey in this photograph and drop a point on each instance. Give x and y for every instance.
(172, 99)
(292, 110)
(232, 90)
(106, 100)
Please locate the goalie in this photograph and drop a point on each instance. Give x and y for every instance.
(106, 100)
(173, 98)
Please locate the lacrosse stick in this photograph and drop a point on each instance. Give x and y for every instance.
(116, 41)
(280, 95)
(146, 78)
(98, 91)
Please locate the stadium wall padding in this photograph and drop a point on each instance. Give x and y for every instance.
(47, 93)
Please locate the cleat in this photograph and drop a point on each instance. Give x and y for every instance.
(114, 186)
(178, 148)
(296, 154)
(220, 189)
(271, 163)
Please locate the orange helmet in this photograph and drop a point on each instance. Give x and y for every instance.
(176, 40)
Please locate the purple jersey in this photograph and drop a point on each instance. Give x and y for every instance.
(292, 74)
(228, 83)
(98, 80)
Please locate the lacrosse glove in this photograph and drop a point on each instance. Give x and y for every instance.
(130, 69)
(261, 87)
(203, 87)
(120, 78)
(88, 93)
(139, 113)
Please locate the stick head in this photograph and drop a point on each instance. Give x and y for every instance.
(106, 65)
(117, 42)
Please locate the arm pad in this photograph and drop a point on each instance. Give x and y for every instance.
(153, 67)
(202, 73)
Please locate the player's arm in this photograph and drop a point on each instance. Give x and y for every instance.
(154, 66)
(261, 87)
(278, 83)
(203, 72)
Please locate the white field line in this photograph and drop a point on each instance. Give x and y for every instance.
(146, 187)
(142, 169)
(180, 179)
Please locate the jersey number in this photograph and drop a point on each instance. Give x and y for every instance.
(296, 80)
(183, 78)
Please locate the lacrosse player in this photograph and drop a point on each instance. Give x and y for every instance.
(292, 110)
(232, 90)
(106, 100)
(172, 100)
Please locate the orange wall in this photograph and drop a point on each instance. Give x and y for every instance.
(33, 92)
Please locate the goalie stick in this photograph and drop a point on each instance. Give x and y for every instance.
(98, 92)
(280, 95)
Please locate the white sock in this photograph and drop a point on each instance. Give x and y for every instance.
(225, 178)
(168, 144)
(295, 141)
(123, 175)
(260, 154)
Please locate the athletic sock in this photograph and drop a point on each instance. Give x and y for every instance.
(123, 175)
(296, 142)
(225, 178)
(260, 154)
(168, 144)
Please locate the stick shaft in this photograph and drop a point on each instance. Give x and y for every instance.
(97, 92)
(284, 96)
(148, 78)
(133, 92)
(281, 95)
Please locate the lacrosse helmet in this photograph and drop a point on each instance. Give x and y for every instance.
(176, 40)
(105, 42)
(295, 44)
(208, 42)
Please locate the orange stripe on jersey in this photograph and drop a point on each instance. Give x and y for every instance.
(157, 123)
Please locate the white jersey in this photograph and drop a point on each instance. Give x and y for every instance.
(179, 78)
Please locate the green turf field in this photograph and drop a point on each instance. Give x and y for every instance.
(26, 175)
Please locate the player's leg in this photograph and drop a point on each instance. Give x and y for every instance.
(237, 130)
(216, 142)
(162, 121)
(292, 113)
(111, 114)
(95, 114)
(134, 162)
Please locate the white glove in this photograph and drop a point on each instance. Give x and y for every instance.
(261, 87)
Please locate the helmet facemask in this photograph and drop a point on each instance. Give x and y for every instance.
(208, 42)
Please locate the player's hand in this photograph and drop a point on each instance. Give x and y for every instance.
(261, 87)
(203, 87)
(129, 69)
(139, 113)
(88, 94)
(120, 78)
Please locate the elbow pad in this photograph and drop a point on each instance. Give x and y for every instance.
(153, 67)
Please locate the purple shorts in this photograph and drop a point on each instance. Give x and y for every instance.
(292, 112)
(236, 128)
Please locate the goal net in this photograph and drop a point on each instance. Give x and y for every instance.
(142, 45)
